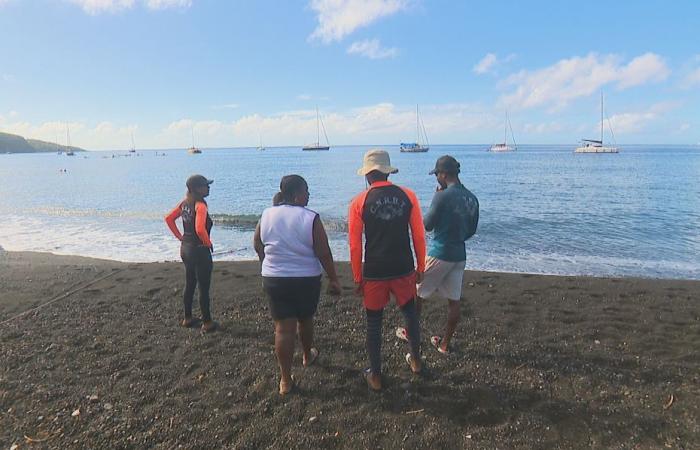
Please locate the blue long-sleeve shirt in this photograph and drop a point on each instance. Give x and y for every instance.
(453, 212)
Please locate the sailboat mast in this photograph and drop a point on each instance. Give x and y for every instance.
(417, 127)
(601, 117)
(318, 131)
(505, 130)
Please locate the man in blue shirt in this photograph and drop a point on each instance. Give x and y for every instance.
(453, 218)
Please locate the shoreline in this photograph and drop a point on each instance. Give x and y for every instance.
(343, 261)
(538, 361)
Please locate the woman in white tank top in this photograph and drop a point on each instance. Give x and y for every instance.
(293, 247)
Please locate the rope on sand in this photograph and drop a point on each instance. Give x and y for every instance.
(62, 296)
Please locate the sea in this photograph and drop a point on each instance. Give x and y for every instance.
(543, 209)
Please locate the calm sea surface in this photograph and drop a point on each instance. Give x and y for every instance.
(543, 208)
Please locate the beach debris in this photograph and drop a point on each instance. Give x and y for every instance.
(76, 413)
(201, 376)
(469, 436)
(416, 411)
(596, 342)
(313, 419)
(230, 394)
(520, 366)
(14, 447)
(31, 440)
(669, 402)
(108, 406)
(93, 398)
(471, 284)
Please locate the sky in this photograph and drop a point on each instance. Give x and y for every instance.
(233, 73)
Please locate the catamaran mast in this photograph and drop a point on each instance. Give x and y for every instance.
(601, 118)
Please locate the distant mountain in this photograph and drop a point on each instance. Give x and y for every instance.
(11, 143)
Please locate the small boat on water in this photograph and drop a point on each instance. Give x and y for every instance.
(68, 152)
(504, 147)
(133, 147)
(595, 145)
(193, 150)
(317, 146)
(421, 145)
(261, 147)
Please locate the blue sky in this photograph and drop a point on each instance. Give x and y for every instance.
(237, 70)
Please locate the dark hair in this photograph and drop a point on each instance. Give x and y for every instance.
(290, 186)
(277, 199)
(376, 175)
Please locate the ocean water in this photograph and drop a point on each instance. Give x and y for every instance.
(543, 208)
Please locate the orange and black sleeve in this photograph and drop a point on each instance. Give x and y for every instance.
(355, 228)
(200, 225)
(417, 230)
(170, 220)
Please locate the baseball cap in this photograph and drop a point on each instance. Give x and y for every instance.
(446, 164)
(196, 181)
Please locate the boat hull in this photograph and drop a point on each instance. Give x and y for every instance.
(501, 149)
(593, 149)
(413, 148)
(316, 148)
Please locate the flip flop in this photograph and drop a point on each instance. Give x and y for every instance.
(402, 334)
(366, 374)
(314, 356)
(436, 341)
(408, 361)
(290, 389)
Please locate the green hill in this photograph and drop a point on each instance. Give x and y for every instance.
(11, 143)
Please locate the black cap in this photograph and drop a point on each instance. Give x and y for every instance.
(196, 181)
(446, 164)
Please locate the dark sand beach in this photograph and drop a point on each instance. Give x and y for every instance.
(540, 362)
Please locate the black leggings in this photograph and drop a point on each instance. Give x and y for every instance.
(374, 334)
(198, 267)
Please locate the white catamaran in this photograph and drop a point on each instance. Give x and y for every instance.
(421, 145)
(133, 147)
(596, 146)
(316, 146)
(69, 150)
(193, 150)
(504, 147)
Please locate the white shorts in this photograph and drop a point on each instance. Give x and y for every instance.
(443, 276)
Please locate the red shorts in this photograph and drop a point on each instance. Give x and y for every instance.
(376, 293)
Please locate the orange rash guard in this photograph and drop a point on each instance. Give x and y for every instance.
(200, 225)
(391, 207)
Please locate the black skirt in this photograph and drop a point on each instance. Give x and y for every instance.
(292, 297)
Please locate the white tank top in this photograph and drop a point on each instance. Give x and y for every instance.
(287, 233)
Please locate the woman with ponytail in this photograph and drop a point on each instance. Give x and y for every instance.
(196, 248)
(293, 247)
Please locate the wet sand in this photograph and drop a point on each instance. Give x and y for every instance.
(539, 362)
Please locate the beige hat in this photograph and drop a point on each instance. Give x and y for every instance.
(376, 159)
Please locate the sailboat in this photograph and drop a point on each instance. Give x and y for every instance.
(419, 146)
(193, 150)
(133, 147)
(316, 146)
(69, 151)
(261, 147)
(504, 147)
(596, 146)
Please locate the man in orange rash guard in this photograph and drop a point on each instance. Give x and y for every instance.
(385, 212)
(196, 247)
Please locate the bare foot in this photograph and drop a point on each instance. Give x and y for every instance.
(374, 382)
(311, 358)
(187, 322)
(286, 386)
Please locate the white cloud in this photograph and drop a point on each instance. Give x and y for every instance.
(489, 62)
(568, 79)
(95, 7)
(543, 128)
(692, 79)
(304, 97)
(103, 135)
(372, 49)
(486, 63)
(227, 106)
(166, 4)
(339, 18)
(634, 122)
(101, 6)
(382, 122)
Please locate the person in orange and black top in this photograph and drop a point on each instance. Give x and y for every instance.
(385, 213)
(196, 247)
